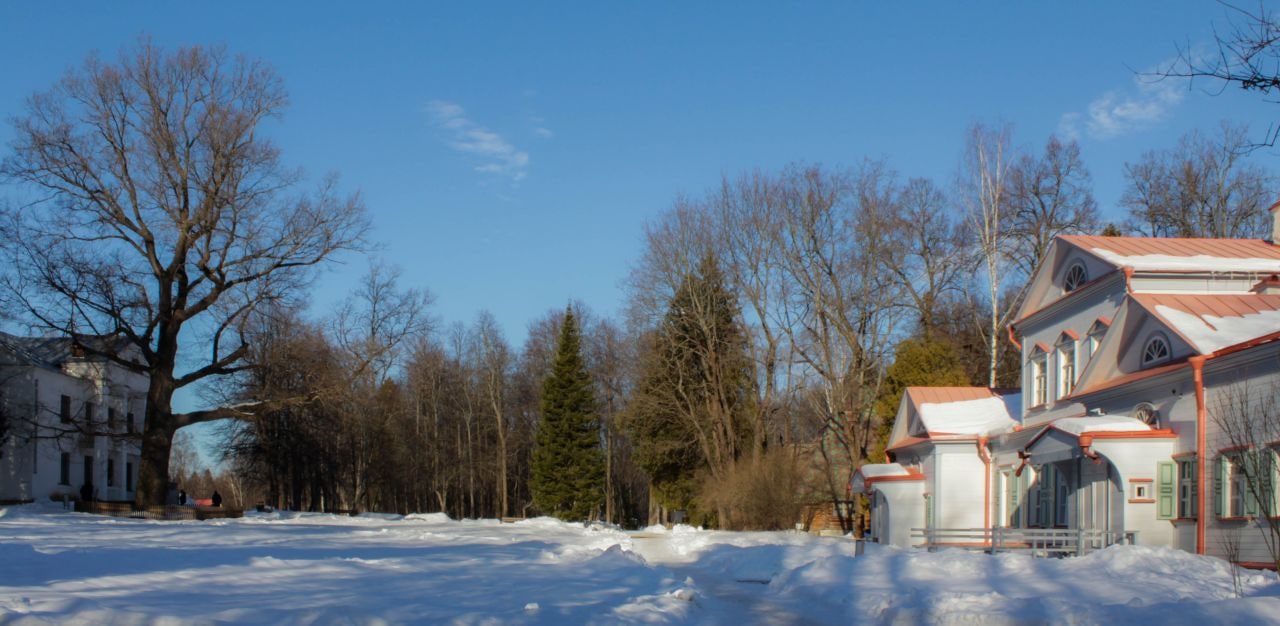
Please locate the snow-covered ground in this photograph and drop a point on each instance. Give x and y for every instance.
(290, 568)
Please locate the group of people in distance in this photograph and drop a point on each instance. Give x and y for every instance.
(87, 495)
(215, 499)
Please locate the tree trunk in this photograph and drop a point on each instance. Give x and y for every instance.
(157, 437)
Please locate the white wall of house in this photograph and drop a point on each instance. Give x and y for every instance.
(958, 485)
(905, 503)
(1135, 462)
(33, 466)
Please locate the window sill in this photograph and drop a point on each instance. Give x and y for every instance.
(1183, 520)
(1141, 501)
(1233, 518)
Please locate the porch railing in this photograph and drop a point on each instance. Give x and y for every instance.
(1036, 541)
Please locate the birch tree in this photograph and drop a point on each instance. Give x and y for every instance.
(982, 182)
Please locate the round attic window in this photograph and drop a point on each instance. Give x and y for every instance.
(1074, 277)
(1146, 413)
(1156, 350)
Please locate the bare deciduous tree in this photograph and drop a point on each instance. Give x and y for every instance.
(161, 215)
(1247, 418)
(933, 260)
(1049, 195)
(983, 187)
(1247, 57)
(1203, 187)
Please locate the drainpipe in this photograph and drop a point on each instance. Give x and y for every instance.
(1202, 463)
(1086, 441)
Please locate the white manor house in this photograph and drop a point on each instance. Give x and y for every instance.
(1149, 411)
(70, 418)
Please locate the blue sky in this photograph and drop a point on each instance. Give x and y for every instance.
(510, 153)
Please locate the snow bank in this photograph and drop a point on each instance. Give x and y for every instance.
(1122, 584)
(878, 470)
(1105, 423)
(1164, 262)
(320, 569)
(1210, 333)
(429, 518)
(986, 416)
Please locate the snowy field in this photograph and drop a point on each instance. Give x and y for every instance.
(290, 568)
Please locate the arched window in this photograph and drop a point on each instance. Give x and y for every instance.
(1074, 277)
(1066, 365)
(1156, 350)
(1147, 414)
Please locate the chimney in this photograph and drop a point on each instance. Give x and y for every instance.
(1275, 223)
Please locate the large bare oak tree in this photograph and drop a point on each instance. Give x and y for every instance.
(159, 215)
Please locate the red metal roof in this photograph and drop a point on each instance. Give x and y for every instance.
(1171, 246)
(1217, 305)
(940, 395)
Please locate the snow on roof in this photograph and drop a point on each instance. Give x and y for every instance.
(1105, 423)
(880, 470)
(993, 414)
(1213, 322)
(1182, 254)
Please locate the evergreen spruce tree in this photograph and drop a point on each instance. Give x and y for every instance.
(568, 465)
(918, 362)
(688, 415)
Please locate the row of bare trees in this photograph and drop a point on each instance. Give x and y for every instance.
(389, 413)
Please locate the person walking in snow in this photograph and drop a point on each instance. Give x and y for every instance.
(217, 498)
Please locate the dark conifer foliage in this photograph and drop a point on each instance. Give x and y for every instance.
(568, 465)
(689, 415)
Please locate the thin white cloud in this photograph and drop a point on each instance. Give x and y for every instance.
(543, 132)
(1118, 112)
(496, 154)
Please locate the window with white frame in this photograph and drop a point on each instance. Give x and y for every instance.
(1066, 366)
(1074, 277)
(1244, 483)
(1095, 338)
(1039, 382)
(1155, 350)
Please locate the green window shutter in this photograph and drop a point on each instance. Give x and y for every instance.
(1219, 480)
(1266, 479)
(1013, 500)
(1044, 497)
(1251, 462)
(1166, 490)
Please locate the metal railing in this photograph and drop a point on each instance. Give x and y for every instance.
(1036, 541)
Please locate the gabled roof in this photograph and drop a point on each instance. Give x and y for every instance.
(960, 410)
(52, 352)
(1145, 254)
(1210, 322)
(1167, 254)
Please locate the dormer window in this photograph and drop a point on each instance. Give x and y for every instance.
(1066, 366)
(1156, 350)
(1039, 378)
(1074, 278)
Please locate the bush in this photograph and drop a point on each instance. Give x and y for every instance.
(763, 495)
